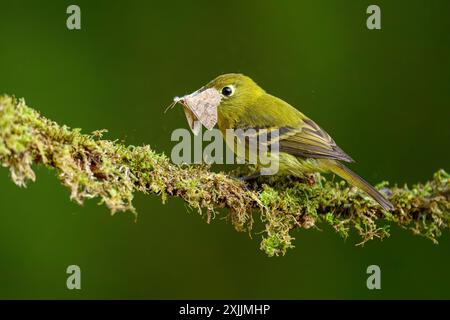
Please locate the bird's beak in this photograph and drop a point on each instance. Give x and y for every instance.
(200, 108)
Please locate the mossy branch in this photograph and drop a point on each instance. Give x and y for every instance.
(93, 167)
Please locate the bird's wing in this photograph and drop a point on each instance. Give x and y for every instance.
(296, 134)
(308, 140)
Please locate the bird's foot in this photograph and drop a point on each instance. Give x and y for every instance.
(251, 176)
(310, 180)
(247, 180)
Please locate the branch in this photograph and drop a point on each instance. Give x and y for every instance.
(92, 167)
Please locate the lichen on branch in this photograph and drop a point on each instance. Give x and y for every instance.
(92, 167)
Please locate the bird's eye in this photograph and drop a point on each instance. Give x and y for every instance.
(227, 91)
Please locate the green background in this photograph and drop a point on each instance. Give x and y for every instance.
(384, 95)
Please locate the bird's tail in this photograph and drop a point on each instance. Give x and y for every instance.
(351, 177)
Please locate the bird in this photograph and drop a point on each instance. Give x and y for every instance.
(235, 101)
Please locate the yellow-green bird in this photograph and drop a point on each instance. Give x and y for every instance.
(235, 101)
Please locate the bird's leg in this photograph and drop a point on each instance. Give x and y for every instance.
(251, 176)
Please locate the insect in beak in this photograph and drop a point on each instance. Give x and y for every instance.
(174, 103)
(200, 108)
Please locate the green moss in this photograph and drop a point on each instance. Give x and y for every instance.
(92, 167)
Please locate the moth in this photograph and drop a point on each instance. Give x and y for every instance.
(200, 108)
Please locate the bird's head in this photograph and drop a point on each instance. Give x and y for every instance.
(228, 93)
(235, 90)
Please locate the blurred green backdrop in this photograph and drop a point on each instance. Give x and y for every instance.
(383, 94)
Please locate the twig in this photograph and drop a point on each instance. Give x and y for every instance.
(93, 167)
